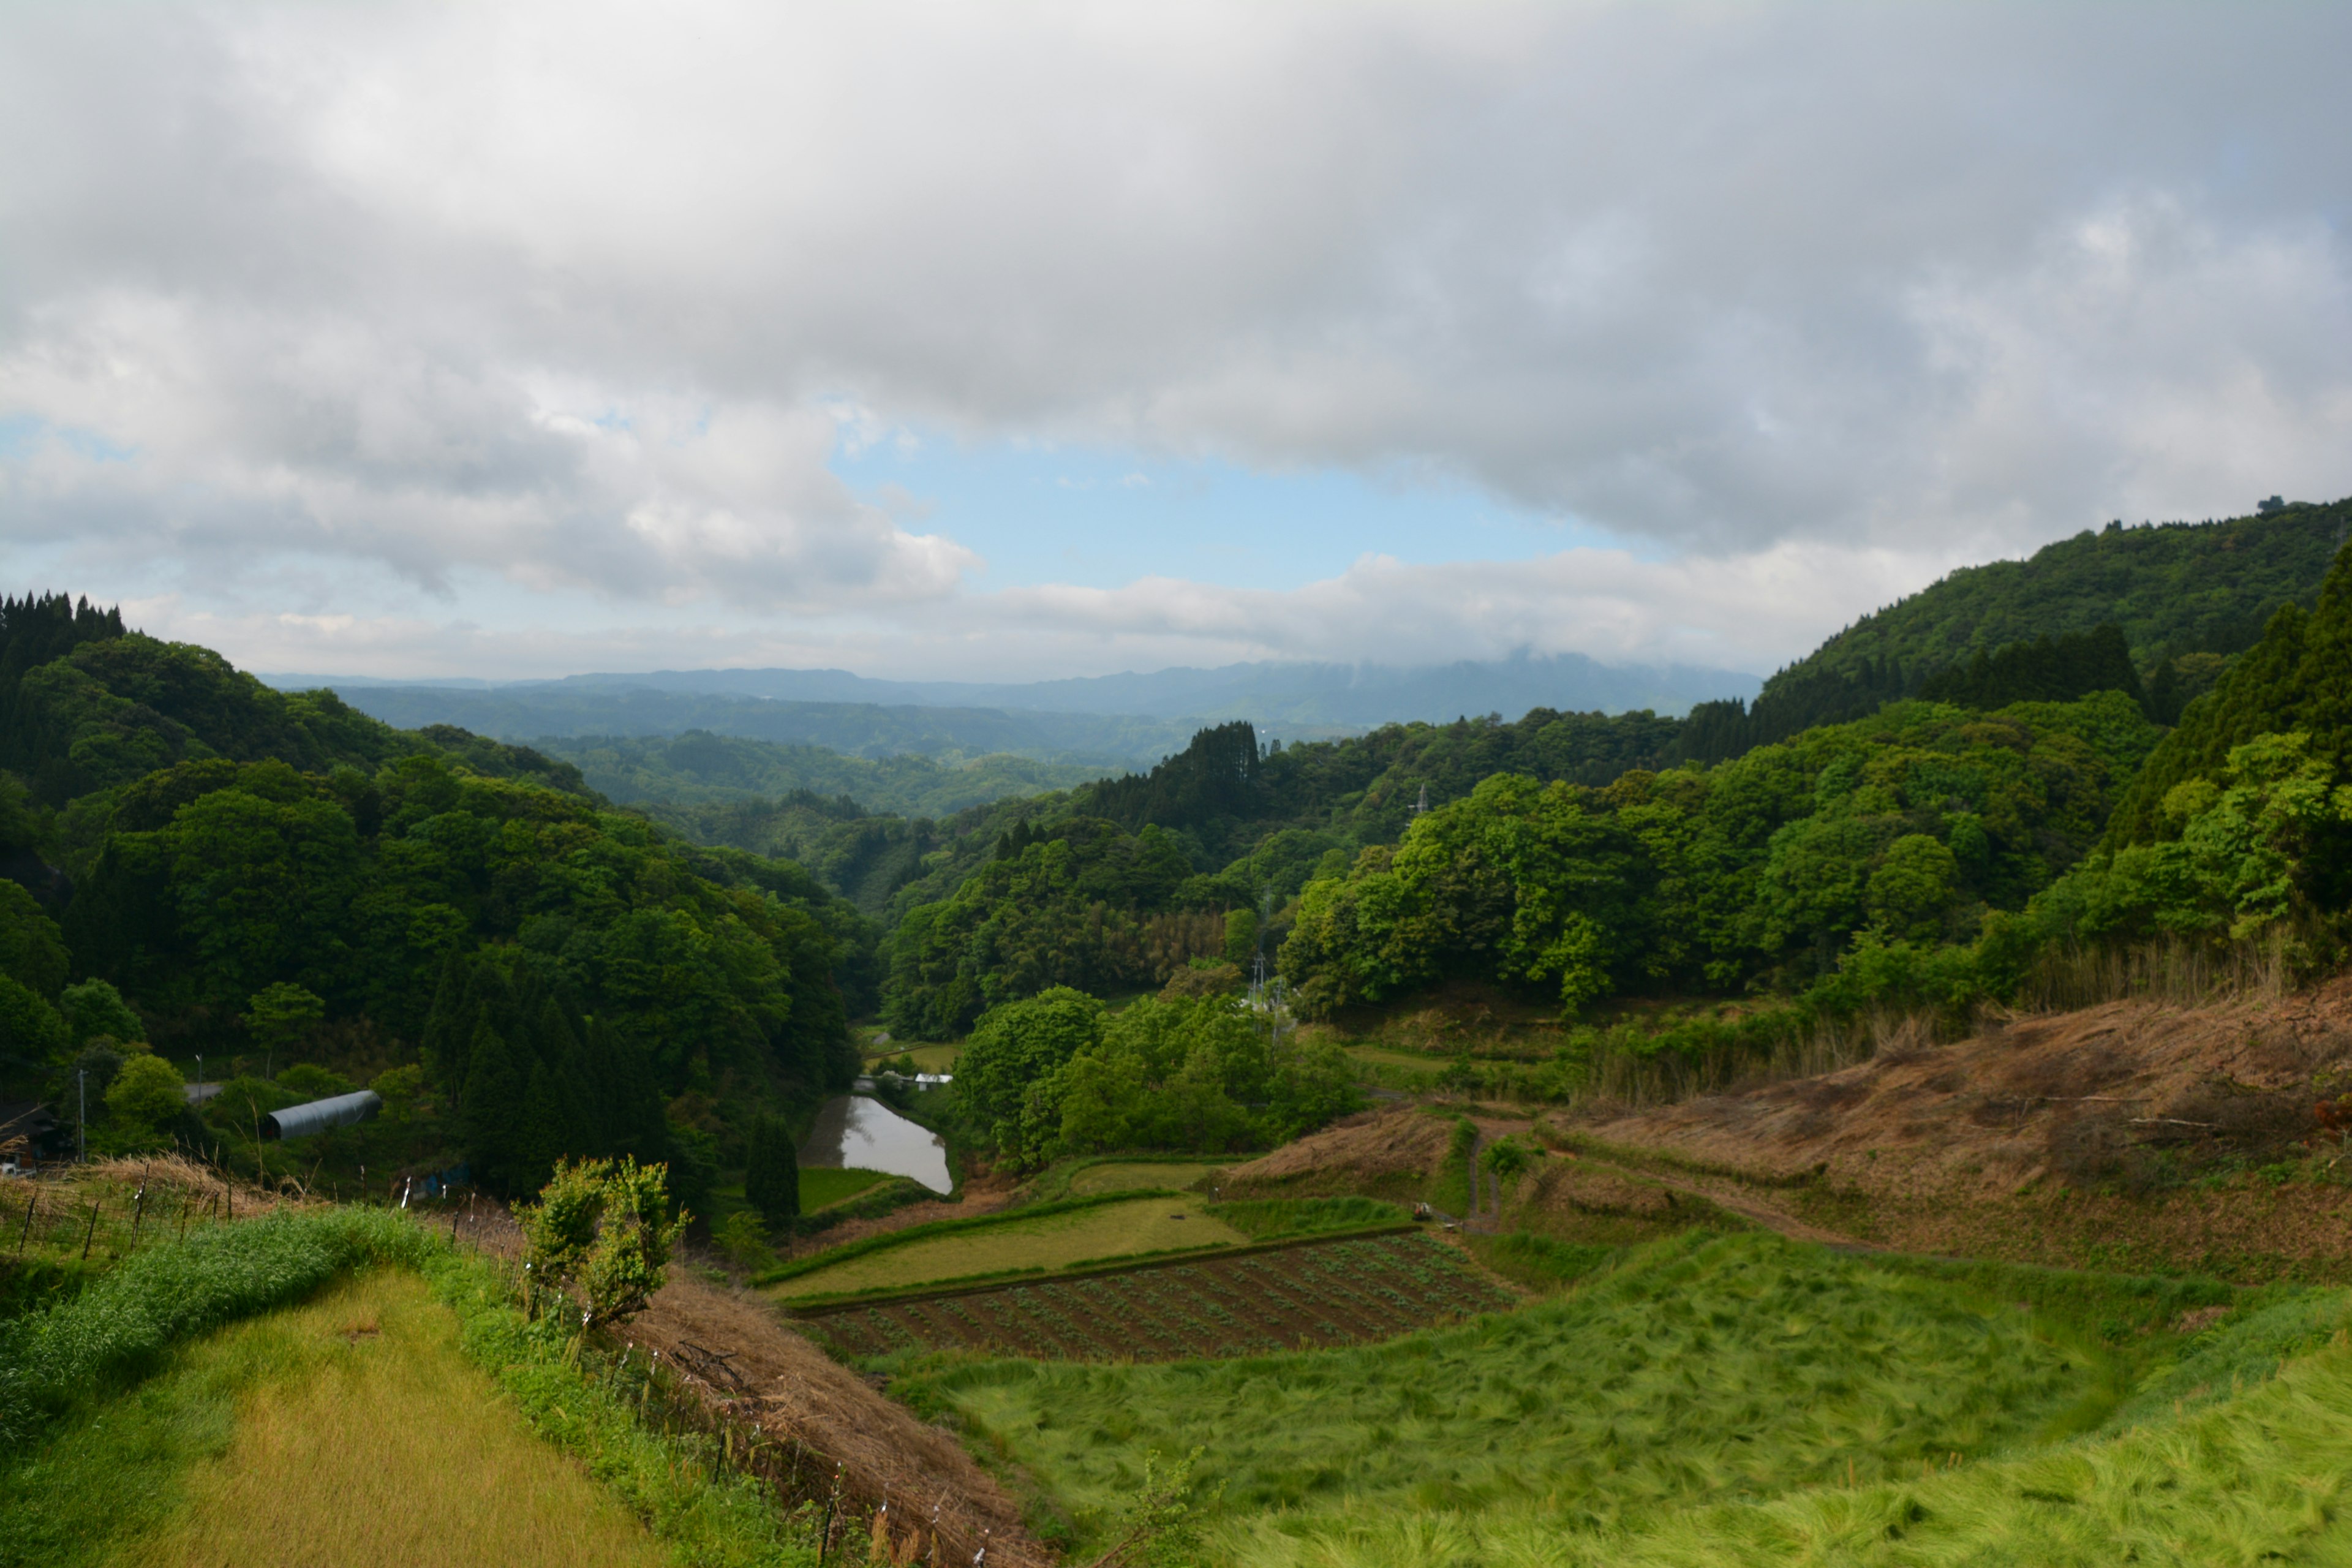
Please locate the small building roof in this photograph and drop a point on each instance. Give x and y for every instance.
(317, 1115)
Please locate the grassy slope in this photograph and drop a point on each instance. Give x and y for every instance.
(348, 1430)
(1044, 1241)
(1709, 1368)
(1126, 1175)
(2257, 1473)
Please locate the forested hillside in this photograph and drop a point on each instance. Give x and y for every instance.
(200, 864)
(1912, 825)
(2155, 613)
(681, 775)
(201, 861)
(2184, 596)
(1927, 849)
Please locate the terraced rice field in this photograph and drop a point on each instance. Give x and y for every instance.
(1047, 1241)
(1330, 1293)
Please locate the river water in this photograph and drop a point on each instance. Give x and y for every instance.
(855, 1132)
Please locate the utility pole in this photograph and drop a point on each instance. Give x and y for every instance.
(1258, 958)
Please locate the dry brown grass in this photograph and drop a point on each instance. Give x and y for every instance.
(2171, 969)
(376, 1445)
(1965, 1147)
(1351, 1155)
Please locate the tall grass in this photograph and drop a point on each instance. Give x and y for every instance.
(1540, 1262)
(121, 1323)
(2258, 1475)
(73, 1365)
(2172, 969)
(1702, 1368)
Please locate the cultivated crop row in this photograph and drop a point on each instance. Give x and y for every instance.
(1332, 1293)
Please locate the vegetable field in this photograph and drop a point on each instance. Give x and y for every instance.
(1333, 1293)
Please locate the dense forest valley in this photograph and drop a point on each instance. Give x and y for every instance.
(1900, 1119)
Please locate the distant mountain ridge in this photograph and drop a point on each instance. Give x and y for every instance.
(1111, 720)
(1322, 694)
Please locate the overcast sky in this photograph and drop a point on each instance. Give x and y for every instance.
(1025, 340)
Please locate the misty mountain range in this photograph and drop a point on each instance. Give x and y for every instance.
(1107, 721)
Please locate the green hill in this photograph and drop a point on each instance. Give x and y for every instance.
(295, 890)
(2175, 591)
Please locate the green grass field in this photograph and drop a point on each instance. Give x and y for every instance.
(1702, 1371)
(822, 1186)
(1389, 1057)
(2257, 1475)
(347, 1430)
(927, 1058)
(1047, 1241)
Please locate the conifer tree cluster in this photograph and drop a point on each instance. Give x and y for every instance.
(540, 1080)
(772, 1176)
(2047, 669)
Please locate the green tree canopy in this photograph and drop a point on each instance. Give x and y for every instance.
(147, 1095)
(1915, 824)
(95, 1007)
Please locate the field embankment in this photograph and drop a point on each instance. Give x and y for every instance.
(745, 1363)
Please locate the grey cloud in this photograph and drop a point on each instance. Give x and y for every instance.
(555, 293)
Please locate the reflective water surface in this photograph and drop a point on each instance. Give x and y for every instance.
(854, 1132)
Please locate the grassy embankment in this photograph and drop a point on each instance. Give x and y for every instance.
(1699, 1370)
(822, 1187)
(190, 1399)
(927, 1058)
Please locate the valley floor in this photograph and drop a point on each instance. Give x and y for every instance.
(2057, 1293)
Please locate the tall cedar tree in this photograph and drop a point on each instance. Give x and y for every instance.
(771, 1177)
